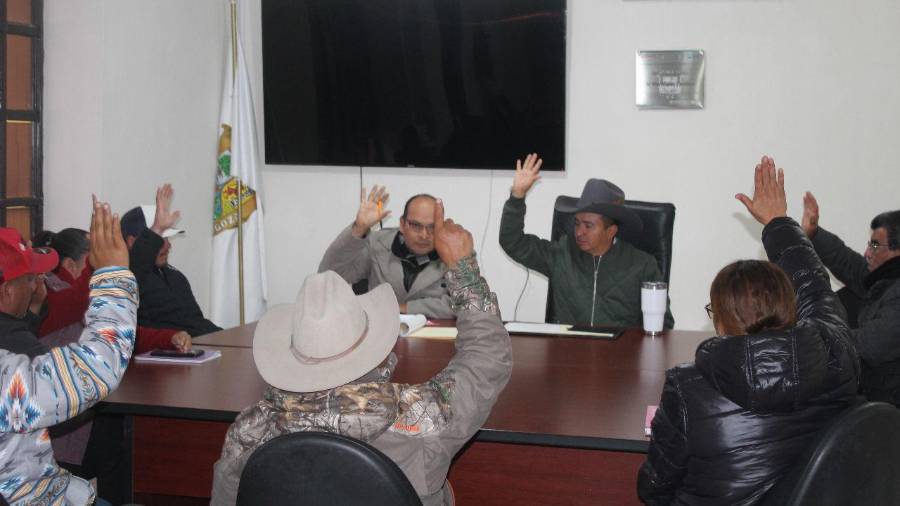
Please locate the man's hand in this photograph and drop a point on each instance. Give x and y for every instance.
(526, 175)
(39, 295)
(182, 341)
(768, 200)
(164, 218)
(810, 221)
(371, 209)
(107, 245)
(451, 241)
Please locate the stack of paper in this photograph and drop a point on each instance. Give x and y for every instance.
(206, 357)
(435, 333)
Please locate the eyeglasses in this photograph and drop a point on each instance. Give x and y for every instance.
(709, 311)
(873, 245)
(418, 228)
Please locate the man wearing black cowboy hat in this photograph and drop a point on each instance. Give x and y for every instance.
(595, 278)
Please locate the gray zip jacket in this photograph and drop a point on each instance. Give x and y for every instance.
(371, 258)
(420, 427)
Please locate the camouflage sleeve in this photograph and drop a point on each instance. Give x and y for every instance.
(469, 291)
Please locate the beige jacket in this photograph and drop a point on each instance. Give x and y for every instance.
(371, 258)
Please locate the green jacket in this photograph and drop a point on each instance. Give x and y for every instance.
(570, 271)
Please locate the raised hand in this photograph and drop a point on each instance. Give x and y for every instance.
(451, 241)
(371, 209)
(526, 175)
(164, 218)
(107, 245)
(810, 220)
(768, 200)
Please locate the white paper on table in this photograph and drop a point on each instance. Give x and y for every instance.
(551, 329)
(410, 323)
(536, 328)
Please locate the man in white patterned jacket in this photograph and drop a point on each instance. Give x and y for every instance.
(47, 389)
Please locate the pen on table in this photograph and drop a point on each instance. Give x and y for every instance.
(380, 221)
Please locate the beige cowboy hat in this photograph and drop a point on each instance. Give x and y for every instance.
(328, 337)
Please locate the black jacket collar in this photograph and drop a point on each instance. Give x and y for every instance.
(887, 270)
(399, 249)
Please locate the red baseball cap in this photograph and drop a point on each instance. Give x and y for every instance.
(17, 259)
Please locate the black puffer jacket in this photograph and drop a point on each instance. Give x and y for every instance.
(877, 334)
(731, 424)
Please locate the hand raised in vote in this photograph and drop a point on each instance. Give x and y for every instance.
(107, 245)
(371, 209)
(165, 218)
(810, 220)
(769, 201)
(526, 175)
(451, 241)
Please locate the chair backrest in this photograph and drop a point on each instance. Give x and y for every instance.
(655, 238)
(320, 468)
(853, 460)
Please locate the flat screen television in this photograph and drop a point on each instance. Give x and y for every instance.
(414, 83)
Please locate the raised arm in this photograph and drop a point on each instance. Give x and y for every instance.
(58, 385)
(348, 255)
(457, 401)
(786, 244)
(527, 249)
(847, 265)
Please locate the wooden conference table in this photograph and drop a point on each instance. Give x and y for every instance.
(568, 428)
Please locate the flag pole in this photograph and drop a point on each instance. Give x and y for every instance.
(240, 200)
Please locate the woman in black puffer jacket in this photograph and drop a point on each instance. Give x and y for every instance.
(733, 422)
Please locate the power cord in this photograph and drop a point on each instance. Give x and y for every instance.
(487, 221)
(516, 310)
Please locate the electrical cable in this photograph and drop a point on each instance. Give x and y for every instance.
(516, 310)
(487, 221)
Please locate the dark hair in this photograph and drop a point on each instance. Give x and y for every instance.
(890, 221)
(68, 242)
(414, 197)
(750, 296)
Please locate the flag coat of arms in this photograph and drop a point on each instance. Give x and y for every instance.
(238, 263)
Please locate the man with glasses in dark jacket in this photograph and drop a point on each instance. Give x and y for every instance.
(873, 280)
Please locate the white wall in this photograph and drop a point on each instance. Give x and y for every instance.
(811, 82)
(132, 97)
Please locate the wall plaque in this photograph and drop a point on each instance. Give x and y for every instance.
(669, 79)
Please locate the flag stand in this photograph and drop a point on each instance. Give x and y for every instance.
(240, 192)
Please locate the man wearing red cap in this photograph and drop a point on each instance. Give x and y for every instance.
(20, 266)
(42, 390)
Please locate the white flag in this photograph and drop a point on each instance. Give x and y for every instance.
(237, 166)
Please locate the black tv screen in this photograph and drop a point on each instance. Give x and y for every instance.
(424, 83)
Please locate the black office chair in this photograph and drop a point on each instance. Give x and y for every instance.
(320, 468)
(655, 238)
(853, 460)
